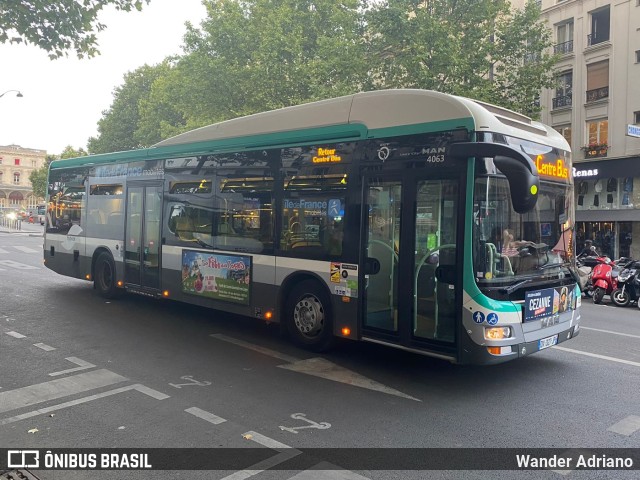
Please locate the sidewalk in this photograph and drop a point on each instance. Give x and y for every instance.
(33, 230)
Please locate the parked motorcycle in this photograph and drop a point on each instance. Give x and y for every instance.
(603, 280)
(628, 285)
(604, 277)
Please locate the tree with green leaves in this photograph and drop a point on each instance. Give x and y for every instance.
(476, 48)
(57, 26)
(117, 129)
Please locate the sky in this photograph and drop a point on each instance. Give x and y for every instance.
(64, 99)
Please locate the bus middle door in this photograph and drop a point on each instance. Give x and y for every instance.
(142, 237)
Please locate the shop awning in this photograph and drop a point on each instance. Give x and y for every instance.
(630, 215)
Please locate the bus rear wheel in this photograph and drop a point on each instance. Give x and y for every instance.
(104, 278)
(308, 316)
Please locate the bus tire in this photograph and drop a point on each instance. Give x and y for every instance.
(308, 316)
(104, 278)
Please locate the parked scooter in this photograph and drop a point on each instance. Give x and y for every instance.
(603, 280)
(604, 277)
(628, 286)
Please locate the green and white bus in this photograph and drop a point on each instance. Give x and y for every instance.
(409, 218)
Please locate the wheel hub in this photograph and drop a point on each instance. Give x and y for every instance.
(308, 316)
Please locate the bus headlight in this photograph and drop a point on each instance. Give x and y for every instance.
(497, 333)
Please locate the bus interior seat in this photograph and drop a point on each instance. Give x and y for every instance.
(184, 229)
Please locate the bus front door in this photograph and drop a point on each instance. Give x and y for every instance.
(142, 237)
(411, 232)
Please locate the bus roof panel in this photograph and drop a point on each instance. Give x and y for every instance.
(320, 114)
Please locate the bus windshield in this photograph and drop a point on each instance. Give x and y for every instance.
(510, 247)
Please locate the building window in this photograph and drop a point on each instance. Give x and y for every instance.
(34, 163)
(0, 178)
(16, 178)
(565, 131)
(636, 118)
(599, 26)
(564, 35)
(17, 162)
(598, 132)
(597, 81)
(637, 61)
(564, 86)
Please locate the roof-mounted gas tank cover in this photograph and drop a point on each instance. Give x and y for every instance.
(518, 167)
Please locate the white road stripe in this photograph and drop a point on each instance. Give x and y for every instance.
(286, 453)
(53, 389)
(265, 441)
(26, 249)
(626, 426)
(595, 355)
(138, 387)
(44, 347)
(255, 348)
(78, 361)
(327, 471)
(204, 415)
(609, 331)
(15, 335)
(17, 265)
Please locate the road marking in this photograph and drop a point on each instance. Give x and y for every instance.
(286, 453)
(609, 331)
(192, 382)
(318, 367)
(595, 355)
(53, 389)
(138, 387)
(25, 249)
(327, 471)
(17, 265)
(44, 347)
(15, 335)
(626, 426)
(255, 348)
(83, 366)
(209, 417)
(309, 424)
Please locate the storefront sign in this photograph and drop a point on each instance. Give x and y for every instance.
(591, 172)
(633, 130)
(221, 277)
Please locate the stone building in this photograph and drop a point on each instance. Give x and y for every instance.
(596, 106)
(16, 164)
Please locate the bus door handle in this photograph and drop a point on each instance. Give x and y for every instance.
(371, 266)
(446, 274)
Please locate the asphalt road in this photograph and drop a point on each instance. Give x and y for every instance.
(79, 371)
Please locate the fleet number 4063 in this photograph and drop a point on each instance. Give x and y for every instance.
(435, 158)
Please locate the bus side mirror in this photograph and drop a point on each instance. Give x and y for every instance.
(519, 169)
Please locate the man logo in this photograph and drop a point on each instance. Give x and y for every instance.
(383, 153)
(23, 458)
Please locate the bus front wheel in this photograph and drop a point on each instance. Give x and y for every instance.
(308, 316)
(104, 279)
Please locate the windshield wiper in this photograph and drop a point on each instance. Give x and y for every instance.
(512, 288)
(553, 265)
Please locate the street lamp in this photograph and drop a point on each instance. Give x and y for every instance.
(18, 94)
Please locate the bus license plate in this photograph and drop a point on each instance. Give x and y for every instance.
(547, 342)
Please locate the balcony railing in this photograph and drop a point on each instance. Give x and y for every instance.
(566, 47)
(564, 101)
(597, 94)
(593, 39)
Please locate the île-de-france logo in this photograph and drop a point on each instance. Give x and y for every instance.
(383, 153)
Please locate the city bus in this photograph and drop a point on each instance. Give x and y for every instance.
(409, 218)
